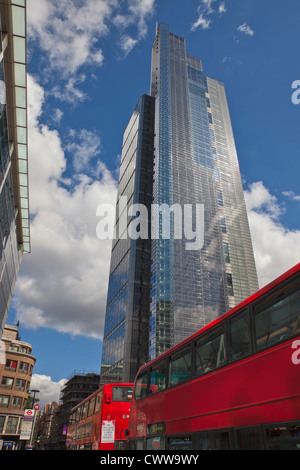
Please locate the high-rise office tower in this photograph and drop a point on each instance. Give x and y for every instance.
(14, 209)
(194, 165)
(126, 332)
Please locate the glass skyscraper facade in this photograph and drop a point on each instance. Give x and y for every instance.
(127, 312)
(194, 162)
(14, 207)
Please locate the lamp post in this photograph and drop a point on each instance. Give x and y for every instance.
(34, 391)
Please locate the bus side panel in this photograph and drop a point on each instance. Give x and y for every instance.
(97, 430)
(263, 388)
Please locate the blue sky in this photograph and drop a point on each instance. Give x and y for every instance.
(88, 63)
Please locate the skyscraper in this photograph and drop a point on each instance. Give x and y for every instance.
(127, 313)
(14, 208)
(194, 163)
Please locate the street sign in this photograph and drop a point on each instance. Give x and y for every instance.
(29, 414)
(36, 406)
(26, 430)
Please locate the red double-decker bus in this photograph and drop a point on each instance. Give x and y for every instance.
(100, 421)
(235, 384)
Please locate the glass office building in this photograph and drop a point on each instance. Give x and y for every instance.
(14, 207)
(194, 163)
(127, 312)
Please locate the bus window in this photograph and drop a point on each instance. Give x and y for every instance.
(204, 441)
(121, 393)
(158, 375)
(239, 339)
(221, 440)
(98, 402)
(180, 367)
(78, 413)
(138, 444)
(92, 406)
(180, 443)
(249, 438)
(210, 352)
(84, 410)
(156, 443)
(277, 318)
(140, 389)
(283, 437)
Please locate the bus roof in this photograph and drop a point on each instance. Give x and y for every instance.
(261, 292)
(109, 385)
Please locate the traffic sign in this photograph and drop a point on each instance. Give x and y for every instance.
(29, 414)
(36, 406)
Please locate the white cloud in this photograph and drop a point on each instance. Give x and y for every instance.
(244, 28)
(85, 146)
(206, 12)
(62, 284)
(128, 43)
(222, 8)
(48, 389)
(69, 32)
(276, 247)
(70, 35)
(70, 92)
(291, 195)
(204, 23)
(137, 13)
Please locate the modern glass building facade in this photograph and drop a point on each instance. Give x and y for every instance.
(14, 207)
(127, 313)
(194, 162)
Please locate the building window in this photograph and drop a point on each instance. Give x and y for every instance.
(2, 421)
(226, 252)
(23, 367)
(4, 401)
(229, 284)
(11, 364)
(7, 382)
(11, 425)
(223, 224)
(16, 402)
(20, 384)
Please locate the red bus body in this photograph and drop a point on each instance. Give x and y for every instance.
(252, 402)
(100, 421)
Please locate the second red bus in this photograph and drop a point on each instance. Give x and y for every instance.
(100, 421)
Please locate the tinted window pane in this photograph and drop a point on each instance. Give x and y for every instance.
(278, 318)
(121, 393)
(158, 377)
(239, 340)
(221, 441)
(210, 352)
(180, 367)
(282, 437)
(180, 443)
(155, 443)
(140, 389)
(249, 439)
(203, 441)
